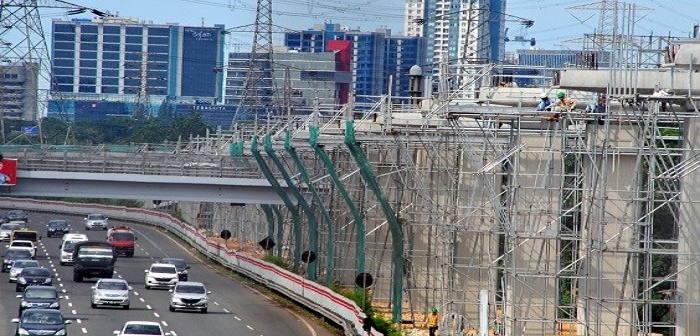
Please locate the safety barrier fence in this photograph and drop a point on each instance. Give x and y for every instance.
(320, 299)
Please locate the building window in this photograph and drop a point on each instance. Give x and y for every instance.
(134, 30)
(111, 30)
(111, 38)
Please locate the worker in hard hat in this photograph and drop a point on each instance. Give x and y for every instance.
(544, 102)
(562, 104)
(433, 320)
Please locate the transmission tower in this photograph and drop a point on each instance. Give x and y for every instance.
(259, 95)
(25, 57)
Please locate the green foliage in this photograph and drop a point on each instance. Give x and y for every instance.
(123, 130)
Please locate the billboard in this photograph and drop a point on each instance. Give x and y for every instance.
(8, 172)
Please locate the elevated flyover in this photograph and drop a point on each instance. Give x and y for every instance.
(137, 172)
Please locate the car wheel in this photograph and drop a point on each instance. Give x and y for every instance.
(125, 307)
(87, 228)
(93, 305)
(18, 288)
(148, 287)
(172, 309)
(62, 263)
(77, 278)
(205, 310)
(184, 278)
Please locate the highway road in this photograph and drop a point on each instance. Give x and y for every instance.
(234, 309)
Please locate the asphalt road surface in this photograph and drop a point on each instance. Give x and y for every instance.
(234, 309)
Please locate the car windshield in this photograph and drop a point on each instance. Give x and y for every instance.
(40, 293)
(112, 285)
(95, 252)
(142, 329)
(32, 271)
(22, 244)
(15, 213)
(68, 246)
(163, 269)
(25, 235)
(18, 254)
(42, 317)
(123, 236)
(58, 224)
(25, 263)
(179, 263)
(194, 289)
(10, 227)
(96, 217)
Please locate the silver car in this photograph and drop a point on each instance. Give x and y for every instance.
(6, 230)
(189, 295)
(19, 265)
(96, 221)
(110, 292)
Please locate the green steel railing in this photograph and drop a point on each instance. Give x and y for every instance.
(310, 216)
(394, 225)
(356, 215)
(330, 224)
(296, 254)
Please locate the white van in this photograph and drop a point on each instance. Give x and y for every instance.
(67, 252)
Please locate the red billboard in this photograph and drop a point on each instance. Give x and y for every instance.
(8, 171)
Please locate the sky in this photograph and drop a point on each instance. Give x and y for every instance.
(557, 22)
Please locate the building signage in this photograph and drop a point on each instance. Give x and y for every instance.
(8, 172)
(200, 34)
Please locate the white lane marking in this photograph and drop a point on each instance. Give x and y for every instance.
(173, 333)
(165, 324)
(63, 290)
(79, 321)
(74, 312)
(136, 293)
(156, 314)
(226, 310)
(249, 327)
(61, 284)
(148, 307)
(237, 318)
(216, 303)
(58, 279)
(84, 331)
(70, 304)
(142, 300)
(66, 297)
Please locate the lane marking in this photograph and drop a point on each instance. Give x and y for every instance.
(74, 312)
(70, 304)
(237, 318)
(249, 327)
(156, 314)
(84, 331)
(216, 303)
(226, 310)
(149, 307)
(142, 300)
(79, 321)
(165, 324)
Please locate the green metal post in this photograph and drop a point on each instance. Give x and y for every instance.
(330, 224)
(356, 215)
(313, 224)
(296, 255)
(270, 222)
(394, 225)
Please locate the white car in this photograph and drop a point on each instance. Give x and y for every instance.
(110, 292)
(24, 244)
(140, 328)
(19, 265)
(189, 295)
(96, 221)
(161, 275)
(75, 237)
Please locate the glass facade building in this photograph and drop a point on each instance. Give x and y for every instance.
(375, 56)
(136, 63)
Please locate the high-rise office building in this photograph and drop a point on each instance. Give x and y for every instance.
(374, 56)
(135, 63)
(467, 34)
(18, 91)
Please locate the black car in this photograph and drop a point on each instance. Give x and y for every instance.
(33, 276)
(39, 297)
(57, 227)
(41, 322)
(14, 253)
(16, 216)
(180, 264)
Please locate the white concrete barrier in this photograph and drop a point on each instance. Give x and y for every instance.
(332, 305)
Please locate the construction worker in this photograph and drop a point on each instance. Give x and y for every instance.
(433, 320)
(562, 104)
(544, 102)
